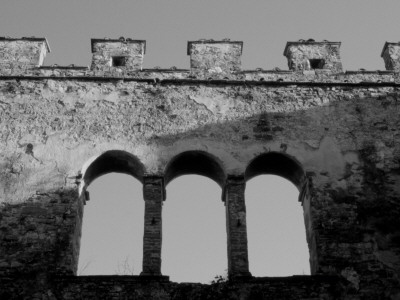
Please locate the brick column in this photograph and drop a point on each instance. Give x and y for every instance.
(153, 194)
(238, 262)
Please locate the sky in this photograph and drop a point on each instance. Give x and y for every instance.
(194, 234)
(264, 27)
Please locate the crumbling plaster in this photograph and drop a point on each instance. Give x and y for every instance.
(68, 123)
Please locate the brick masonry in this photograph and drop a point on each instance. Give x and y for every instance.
(334, 134)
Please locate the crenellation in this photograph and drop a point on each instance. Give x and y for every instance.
(22, 53)
(311, 55)
(308, 60)
(117, 54)
(209, 58)
(391, 56)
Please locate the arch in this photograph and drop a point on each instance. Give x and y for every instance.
(195, 162)
(112, 161)
(277, 240)
(117, 161)
(117, 207)
(276, 163)
(194, 230)
(283, 165)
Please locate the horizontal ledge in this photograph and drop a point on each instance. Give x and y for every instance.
(304, 42)
(205, 41)
(32, 38)
(169, 70)
(268, 71)
(120, 40)
(206, 82)
(64, 67)
(379, 72)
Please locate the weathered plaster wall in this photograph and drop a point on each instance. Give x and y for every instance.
(343, 137)
(68, 122)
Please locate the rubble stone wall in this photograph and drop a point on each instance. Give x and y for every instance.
(299, 55)
(336, 137)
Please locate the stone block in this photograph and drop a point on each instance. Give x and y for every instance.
(391, 56)
(210, 58)
(22, 52)
(112, 54)
(311, 55)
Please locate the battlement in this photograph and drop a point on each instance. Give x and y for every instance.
(308, 61)
(209, 57)
(391, 56)
(312, 55)
(118, 53)
(24, 52)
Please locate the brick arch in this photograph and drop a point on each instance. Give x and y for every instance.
(117, 161)
(276, 163)
(195, 162)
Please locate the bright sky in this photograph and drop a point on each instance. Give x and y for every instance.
(193, 253)
(264, 26)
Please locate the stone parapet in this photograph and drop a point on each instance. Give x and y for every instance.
(22, 53)
(312, 55)
(391, 56)
(118, 54)
(308, 61)
(209, 58)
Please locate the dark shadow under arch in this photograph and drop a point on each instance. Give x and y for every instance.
(276, 163)
(195, 162)
(117, 161)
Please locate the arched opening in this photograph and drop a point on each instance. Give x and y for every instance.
(112, 226)
(277, 242)
(194, 230)
(113, 161)
(195, 162)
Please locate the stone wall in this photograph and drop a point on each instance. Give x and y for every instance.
(335, 135)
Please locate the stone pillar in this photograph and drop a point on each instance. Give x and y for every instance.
(153, 194)
(238, 262)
